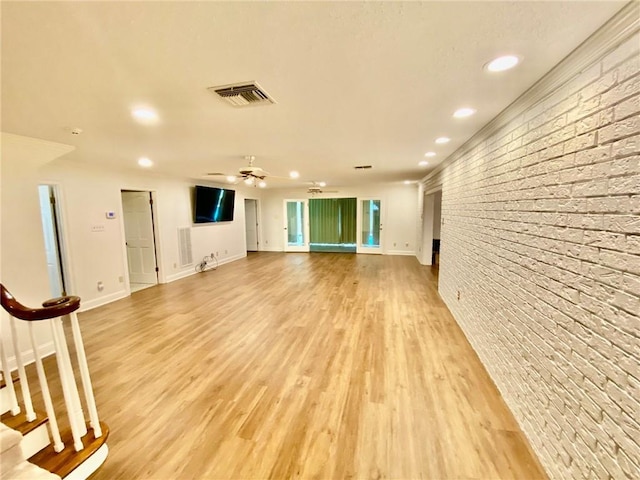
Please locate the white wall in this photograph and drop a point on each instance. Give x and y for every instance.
(541, 238)
(400, 207)
(86, 194)
(437, 214)
(24, 264)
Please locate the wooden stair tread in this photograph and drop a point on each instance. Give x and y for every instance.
(63, 463)
(19, 422)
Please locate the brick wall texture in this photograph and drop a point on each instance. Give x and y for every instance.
(541, 237)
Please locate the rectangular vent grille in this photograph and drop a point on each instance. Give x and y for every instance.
(184, 244)
(243, 94)
(363, 167)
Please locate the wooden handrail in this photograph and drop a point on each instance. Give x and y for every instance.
(56, 307)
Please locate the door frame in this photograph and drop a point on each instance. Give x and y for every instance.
(258, 223)
(60, 226)
(156, 237)
(360, 248)
(305, 221)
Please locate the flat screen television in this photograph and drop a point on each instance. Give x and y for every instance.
(213, 204)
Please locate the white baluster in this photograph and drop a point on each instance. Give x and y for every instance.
(15, 408)
(67, 381)
(22, 374)
(86, 379)
(58, 446)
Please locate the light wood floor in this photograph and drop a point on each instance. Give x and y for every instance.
(280, 366)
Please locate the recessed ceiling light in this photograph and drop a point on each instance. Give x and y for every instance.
(322, 184)
(231, 179)
(464, 112)
(145, 115)
(503, 63)
(443, 140)
(423, 163)
(145, 162)
(262, 184)
(294, 174)
(407, 182)
(430, 154)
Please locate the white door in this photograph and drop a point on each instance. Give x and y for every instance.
(51, 245)
(138, 228)
(296, 226)
(370, 225)
(251, 224)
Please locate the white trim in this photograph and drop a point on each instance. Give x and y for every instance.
(191, 271)
(98, 302)
(28, 357)
(183, 274)
(90, 465)
(400, 252)
(619, 28)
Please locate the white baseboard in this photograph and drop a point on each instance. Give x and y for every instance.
(400, 252)
(98, 302)
(28, 358)
(192, 271)
(179, 275)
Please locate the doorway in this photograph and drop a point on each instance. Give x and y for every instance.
(251, 224)
(140, 241)
(332, 225)
(54, 248)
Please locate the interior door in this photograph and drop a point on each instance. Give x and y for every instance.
(296, 226)
(138, 228)
(370, 225)
(51, 240)
(251, 224)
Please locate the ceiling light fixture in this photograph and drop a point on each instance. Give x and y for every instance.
(464, 112)
(322, 184)
(145, 162)
(262, 184)
(145, 115)
(442, 140)
(407, 182)
(430, 154)
(294, 174)
(423, 163)
(231, 179)
(248, 181)
(503, 63)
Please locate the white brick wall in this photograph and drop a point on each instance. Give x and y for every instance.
(541, 237)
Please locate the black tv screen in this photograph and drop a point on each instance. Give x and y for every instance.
(213, 204)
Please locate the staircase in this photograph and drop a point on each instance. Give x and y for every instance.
(32, 443)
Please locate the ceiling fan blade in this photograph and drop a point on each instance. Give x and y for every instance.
(218, 173)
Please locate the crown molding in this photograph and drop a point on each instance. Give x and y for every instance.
(614, 32)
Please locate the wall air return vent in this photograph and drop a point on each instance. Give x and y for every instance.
(246, 94)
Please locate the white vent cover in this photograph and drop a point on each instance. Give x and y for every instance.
(243, 94)
(184, 244)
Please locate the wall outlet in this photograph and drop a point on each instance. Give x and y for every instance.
(458, 294)
(394, 244)
(225, 252)
(175, 265)
(100, 286)
(216, 254)
(121, 279)
(212, 255)
(406, 244)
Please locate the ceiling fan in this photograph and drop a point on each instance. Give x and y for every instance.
(249, 174)
(318, 187)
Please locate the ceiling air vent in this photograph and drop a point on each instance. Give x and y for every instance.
(363, 167)
(245, 94)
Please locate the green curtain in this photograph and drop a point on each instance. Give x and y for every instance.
(332, 220)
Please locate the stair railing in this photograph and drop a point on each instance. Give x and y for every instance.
(52, 311)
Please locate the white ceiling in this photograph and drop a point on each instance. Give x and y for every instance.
(370, 83)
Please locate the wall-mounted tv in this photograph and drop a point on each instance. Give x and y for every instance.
(213, 204)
